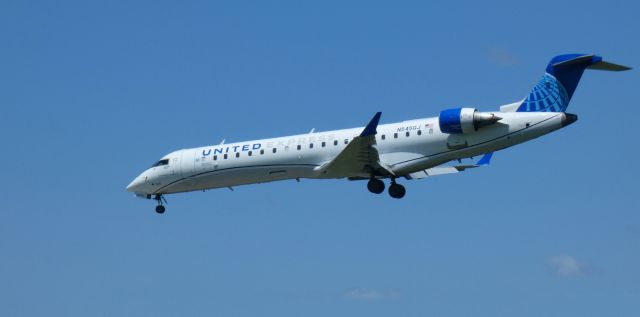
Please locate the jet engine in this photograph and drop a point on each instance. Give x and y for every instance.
(465, 120)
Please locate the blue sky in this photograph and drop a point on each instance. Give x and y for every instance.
(95, 91)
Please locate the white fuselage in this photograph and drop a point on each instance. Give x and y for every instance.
(404, 147)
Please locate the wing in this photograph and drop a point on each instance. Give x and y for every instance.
(441, 170)
(360, 157)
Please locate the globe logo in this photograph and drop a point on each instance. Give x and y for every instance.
(547, 96)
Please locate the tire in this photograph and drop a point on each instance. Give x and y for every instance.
(397, 191)
(375, 186)
(160, 209)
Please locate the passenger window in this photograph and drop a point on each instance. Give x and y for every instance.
(407, 134)
(299, 147)
(215, 157)
(225, 156)
(382, 137)
(323, 144)
(249, 153)
(346, 141)
(335, 142)
(237, 154)
(395, 135)
(274, 150)
(419, 132)
(261, 151)
(311, 145)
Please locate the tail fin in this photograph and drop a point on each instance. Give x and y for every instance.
(554, 91)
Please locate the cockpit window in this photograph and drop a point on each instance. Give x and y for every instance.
(161, 163)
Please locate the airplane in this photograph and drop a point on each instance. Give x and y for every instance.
(412, 149)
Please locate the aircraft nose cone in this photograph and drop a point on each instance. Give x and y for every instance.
(137, 185)
(133, 185)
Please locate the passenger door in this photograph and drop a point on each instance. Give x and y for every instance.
(205, 164)
(187, 163)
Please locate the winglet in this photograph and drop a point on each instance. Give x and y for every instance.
(370, 129)
(485, 160)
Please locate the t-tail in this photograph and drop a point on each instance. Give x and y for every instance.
(554, 91)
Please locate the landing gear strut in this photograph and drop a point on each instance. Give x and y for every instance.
(396, 190)
(375, 186)
(160, 208)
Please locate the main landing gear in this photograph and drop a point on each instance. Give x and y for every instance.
(375, 186)
(160, 207)
(396, 190)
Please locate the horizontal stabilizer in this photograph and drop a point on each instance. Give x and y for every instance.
(574, 59)
(608, 66)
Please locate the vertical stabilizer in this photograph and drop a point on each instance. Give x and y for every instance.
(554, 91)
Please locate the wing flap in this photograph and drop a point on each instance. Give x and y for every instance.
(442, 170)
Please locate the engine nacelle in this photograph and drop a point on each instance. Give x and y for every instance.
(465, 120)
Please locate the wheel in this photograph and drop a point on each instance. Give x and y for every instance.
(160, 209)
(397, 191)
(375, 186)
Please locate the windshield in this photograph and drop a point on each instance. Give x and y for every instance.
(161, 162)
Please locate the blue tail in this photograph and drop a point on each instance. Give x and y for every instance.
(554, 91)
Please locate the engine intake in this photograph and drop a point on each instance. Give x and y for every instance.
(465, 120)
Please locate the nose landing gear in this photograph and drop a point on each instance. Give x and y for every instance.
(160, 207)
